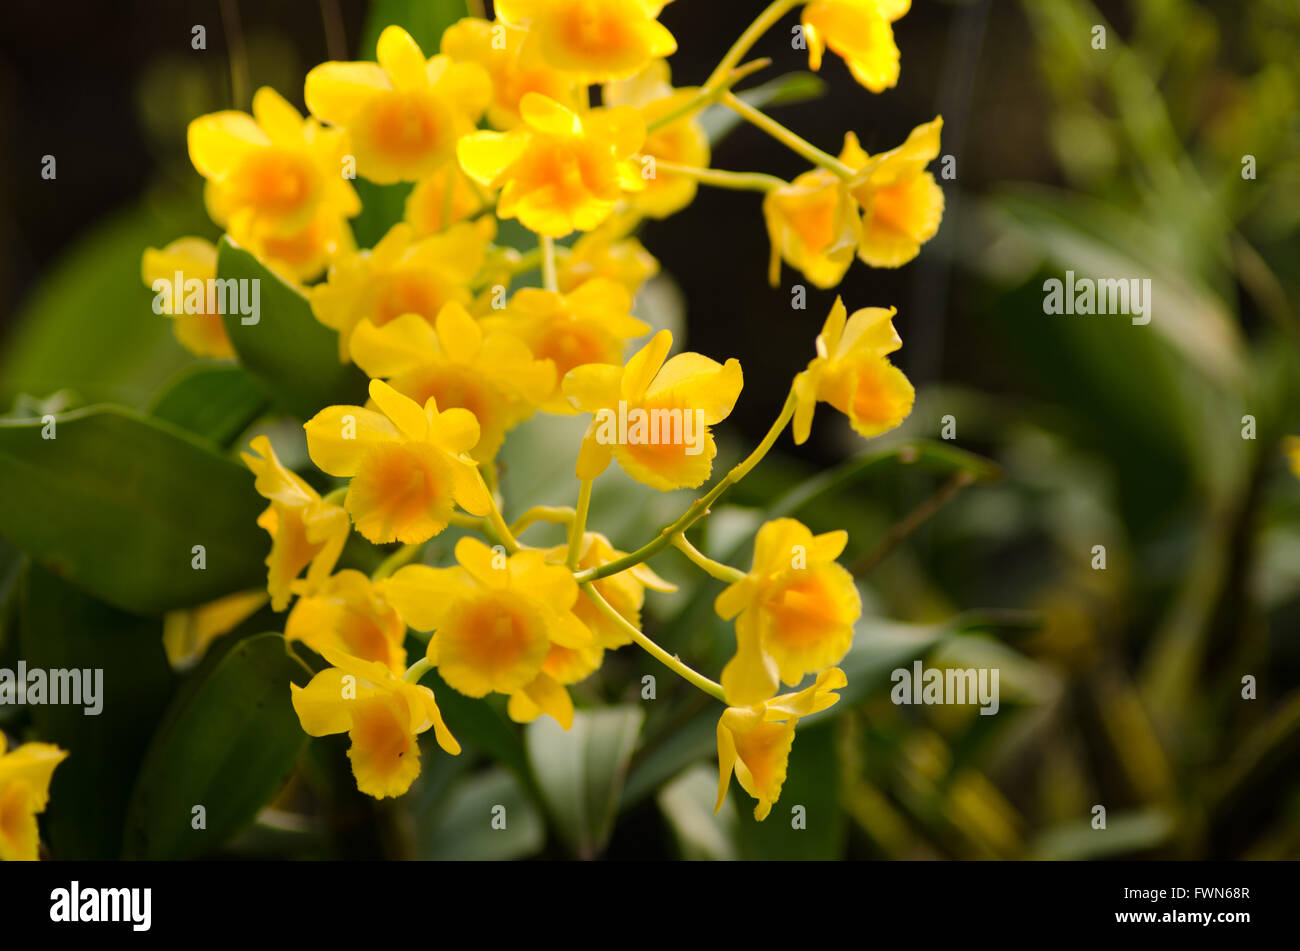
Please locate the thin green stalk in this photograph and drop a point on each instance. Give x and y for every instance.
(716, 569)
(671, 661)
(701, 506)
(795, 143)
(764, 22)
(417, 670)
(403, 556)
(549, 279)
(579, 524)
(719, 178)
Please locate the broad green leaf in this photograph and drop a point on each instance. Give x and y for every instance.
(678, 748)
(580, 772)
(487, 817)
(227, 744)
(64, 629)
(687, 803)
(116, 503)
(215, 401)
(425, 20)
(293, 355)
(382, 206)
(89, 324)
(787, 90)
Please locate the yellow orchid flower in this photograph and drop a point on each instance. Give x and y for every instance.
(852, 372)
(380, 712)
(442, 199)
(496, 47)
(493, 375)
(859, 31)
(270, 174)
(755, 741)
(595, 40)
(494, 619)
(682, 141)
(203, 335)
(558, 172)
(305, 530)
(794, 610)
(902, 205)
(346, 615)
(404, 113)
(187, 634)
(652, 416)
(401, 275)
(407, 464)
(625, 591)
(589, 324)
(814, 223)
(25, 775)
(606, 253)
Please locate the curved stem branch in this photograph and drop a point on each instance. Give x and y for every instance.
(716, 569)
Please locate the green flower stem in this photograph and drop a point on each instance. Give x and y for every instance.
(783, 135)
(549, 279)
(671, 661)
(337, 496)
(716, 569)
(403, 556)
(706, 95)
(699, 509)
(417, 670)
(498, 522)
(554, 514)
(718, 178)
(579, 524)
(764, 22)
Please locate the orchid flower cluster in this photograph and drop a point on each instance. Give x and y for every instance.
(502, 122)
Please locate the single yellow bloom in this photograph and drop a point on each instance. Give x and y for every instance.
(202, 334)
(407, 464)
(380, 712)
(755, 741)
(590, 324)
(852, 372)
(401, 275)
(625, 593)
(652, 416)
(347, 615)
(444, 198)
(187, 634)
(682, 141)
(595, 40)
(25, 775)
(813, 222)
(496, 47)
(794, 611)
(902, 205)
(558, 172)
(269, 174)
(494, 617)
(404, 113)
(305, 530)
(1291, 449)
(302, 256)
(606, 253)
(859, 31)
(492, 375)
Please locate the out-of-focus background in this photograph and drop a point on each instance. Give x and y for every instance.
(1164, 686)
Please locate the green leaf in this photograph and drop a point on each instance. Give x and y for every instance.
(215, 401)
(478, 722)
(580, 772)
(293, 355)
(488, 817)
(228, 744)
(382, 206)
(787, 90)
(88, 323)
(63, 629)
(687, 803)
(1125, 834)
(425, 20)
(116, 502)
